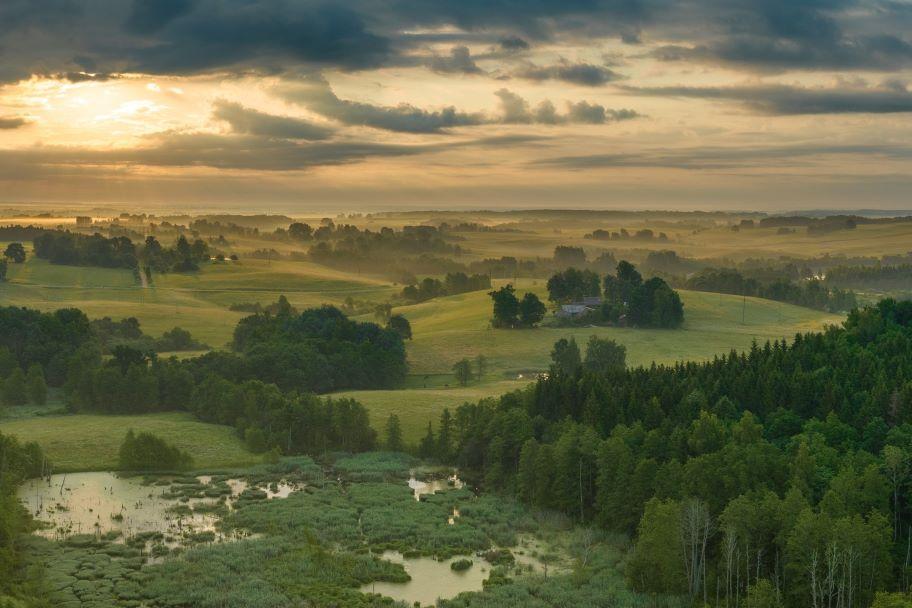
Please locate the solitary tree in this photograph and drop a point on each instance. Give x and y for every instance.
(15, 252)
(463, 371)
(393, 434)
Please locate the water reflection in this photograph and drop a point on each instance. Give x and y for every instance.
(432, 486)
(431, 579)
(102, 503)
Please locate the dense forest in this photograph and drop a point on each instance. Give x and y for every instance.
(782, 471)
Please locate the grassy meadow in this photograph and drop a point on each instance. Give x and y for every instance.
(448, 329)
(198, 302)
(445, 329)
(85, 442)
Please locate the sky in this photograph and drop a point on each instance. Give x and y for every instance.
(300, 105)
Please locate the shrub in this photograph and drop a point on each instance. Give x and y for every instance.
(147, 452)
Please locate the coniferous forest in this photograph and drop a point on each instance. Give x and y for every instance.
(780, 472)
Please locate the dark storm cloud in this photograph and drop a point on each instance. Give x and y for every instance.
(266, 34)
(12, 122)
(585, 74)
(149, 16)
(248, 121)
(774, 35)
(722, 158)
(278, 36)
(198, 36)
(785, 100)
(534, 18)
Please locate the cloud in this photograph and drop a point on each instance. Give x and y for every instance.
(516, 110)
(458, 62)
(149, 16)
(317, 96)
(236, 152)
(262, 34)
(514, 44)
(247, 121)
(778, 99)
(780, 35)
(227, 152)
(721, 158)
(12, 122)
(180, 37)
(585, 74)
(85, 77)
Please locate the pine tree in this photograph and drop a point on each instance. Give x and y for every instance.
(393, 434)
(428, 444)
(37, 388)
(444, 436)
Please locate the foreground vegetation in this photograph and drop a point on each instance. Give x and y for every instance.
(322, 545)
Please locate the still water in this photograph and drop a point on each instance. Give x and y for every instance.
(101, 502)
(431, 579)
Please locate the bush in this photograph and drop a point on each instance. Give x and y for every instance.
(147, 452)
(461, 565)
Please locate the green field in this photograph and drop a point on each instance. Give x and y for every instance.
(445, 329)
(91, 442)
(198, 301)
(448, 329)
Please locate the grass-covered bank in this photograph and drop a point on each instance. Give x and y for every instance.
(86, 442)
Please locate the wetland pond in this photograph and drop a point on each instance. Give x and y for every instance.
(175, 512)
(103, 503)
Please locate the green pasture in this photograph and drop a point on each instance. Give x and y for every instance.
(91, 442)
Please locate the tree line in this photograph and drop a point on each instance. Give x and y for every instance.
(810, 293)
(452, 284)
(879, 276)
(779, 474)
(74, 249)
